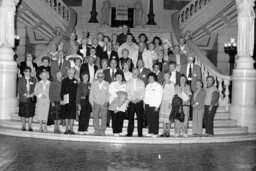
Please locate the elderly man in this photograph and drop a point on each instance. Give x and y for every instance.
(122, 37)
(98, 99)
(89, 67)
(132, 48)
(136, 91)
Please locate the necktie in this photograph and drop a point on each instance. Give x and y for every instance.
(60, 65)
(190, 71)
(113, 75)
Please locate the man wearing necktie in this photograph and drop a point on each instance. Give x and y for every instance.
(192, 72)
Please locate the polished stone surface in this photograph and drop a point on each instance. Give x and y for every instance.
(37, 154)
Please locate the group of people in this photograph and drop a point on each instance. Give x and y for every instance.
(113, 79)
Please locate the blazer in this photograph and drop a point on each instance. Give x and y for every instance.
(107, 74)
(144, 75)
(99, 51)
(55, 68)
(177, 78)
(196, 74)
(199, 98)
(113, 55)
(160, 77)
(22, 88)
(183, 59)
(85, 68)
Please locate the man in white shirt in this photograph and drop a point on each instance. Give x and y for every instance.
(132, 48)
(152, 100)
(136, 91)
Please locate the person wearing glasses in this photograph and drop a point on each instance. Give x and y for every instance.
(26, 85)
(98, 99)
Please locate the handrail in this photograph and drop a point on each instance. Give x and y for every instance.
(207, 68)
(190, 9)
(63, 35)
(60, 7)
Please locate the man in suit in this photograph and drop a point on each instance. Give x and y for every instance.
(61, 65)
(175, 75)
(84, 49)
(99, 50)
(192, 72)
(159, 74)
(90, 68)
(110, 73)
(109, 54)
(143, 71)
(177, 57)
(136, 91)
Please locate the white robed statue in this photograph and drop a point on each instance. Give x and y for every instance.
(245, 38)
(7, 12)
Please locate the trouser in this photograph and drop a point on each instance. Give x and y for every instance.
(186, 112)
(84, 116)
(153, 119)
(108, 117)
(97, 111)
(198, 115)
(138, 108)
(208, 118)
(179, 126)
(117, 121)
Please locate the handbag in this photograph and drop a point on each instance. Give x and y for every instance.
(180, 115)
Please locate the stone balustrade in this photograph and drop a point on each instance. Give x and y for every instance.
(60, 7)
(190, 9)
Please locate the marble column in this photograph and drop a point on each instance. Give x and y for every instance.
(8, 67)
(243, 107)
(151, 15)
(94, 13)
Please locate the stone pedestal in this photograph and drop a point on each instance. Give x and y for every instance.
(8, 77)
(243, 107)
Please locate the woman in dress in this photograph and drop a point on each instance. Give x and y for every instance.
(83, 105)
(26, 85)
(68, 100)
(43, 102)
(165, 108)
(28, 63)
(77, 66)
(118, 103)
(54, 95)
(184, 92)
(198, 108)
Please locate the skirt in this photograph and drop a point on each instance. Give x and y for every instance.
(164, 112)
(68, 111)
(26, 109)
(54, 113)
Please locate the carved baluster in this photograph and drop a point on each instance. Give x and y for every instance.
(62, 11)
(196, 6)
(187, 13)
(191, 9)
(200, 4)
(227, 101)
(53, 4)
(182, 16)
(220, 88)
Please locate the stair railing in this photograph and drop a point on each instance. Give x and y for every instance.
(222, 81)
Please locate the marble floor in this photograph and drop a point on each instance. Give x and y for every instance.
(26, 154)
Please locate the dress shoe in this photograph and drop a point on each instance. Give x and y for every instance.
(129, 135)
(107, 124)
(163, 134)
(71, 132)
(23, 129)
(167, 135)
(30, 129)
(66, 132)
(140, 135)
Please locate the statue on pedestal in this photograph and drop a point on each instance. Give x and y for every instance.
(245, 37)
(7, 13)
(138, 11)
(105, 12)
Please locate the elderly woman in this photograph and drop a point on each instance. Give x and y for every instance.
(198, 108)
(184, 92)
(118, 103)
(44, 67)
(26, 85)
(28, 63)
(54, 95)
(125, 59)
(152, 101)
(43, 102)
(83, 105)
(68, 100)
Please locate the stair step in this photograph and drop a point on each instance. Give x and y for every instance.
(217, 130)
(217, 122)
